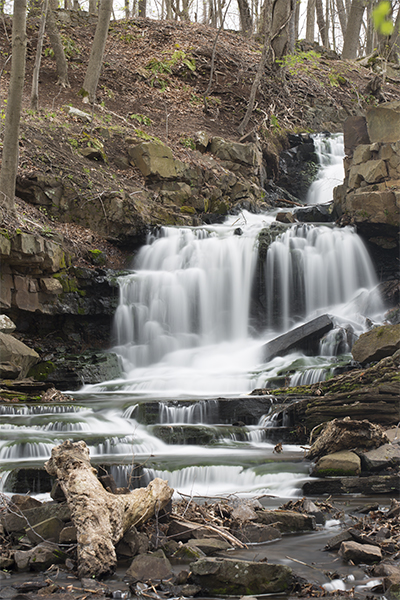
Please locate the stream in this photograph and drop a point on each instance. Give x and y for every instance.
(190, 339)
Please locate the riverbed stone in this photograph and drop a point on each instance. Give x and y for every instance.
(360, 553)
(223, 576)
(287, 521)
(210, 546)
(150, 567)
(154, 160)
(383, 457)
(14, 522)
(45, 530)
(342, 463)
(256, 533)
(377, 344)
(383, 484)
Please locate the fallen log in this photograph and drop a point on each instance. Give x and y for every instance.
(100, 518)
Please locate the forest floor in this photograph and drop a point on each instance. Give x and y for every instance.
(153, 82)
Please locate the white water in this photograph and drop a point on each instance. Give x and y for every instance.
(186, 329)
(329, 150)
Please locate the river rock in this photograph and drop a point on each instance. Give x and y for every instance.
(248, 154)
(39, 558)
(150, 567)
(360, 553)
(13, 522)
(342, 463)
(287, 521)
(346, 434)
(209, 546)
(304, 338)
(255, 533)
(377, 344)
(224, 576)
(45, 530)
(23, 502)
(336, 541)
(17, 353)
(317, 213)
(384, 484)
(132, 543)
(155, 160)
(383, 457)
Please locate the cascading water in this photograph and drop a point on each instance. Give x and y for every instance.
(187, 329)
(329, 149)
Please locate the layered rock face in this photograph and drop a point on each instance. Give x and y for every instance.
(370, 195)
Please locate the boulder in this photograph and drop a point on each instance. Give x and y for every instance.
(224, 576)
(155, 160)
(17, 353)
(372, 171)
(209, 546)
(317, 213)
(6, 325)
(377, 344)
(39, 558)
(305, 337)
(150, 567)
(381, 458)
(247, 154)
(255, 533)
(346, 434)
(46, 530)
(287, 521)
(383, 122)
(338, 464)
(13, 522)
(360, 553)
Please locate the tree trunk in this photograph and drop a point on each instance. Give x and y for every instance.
(100, 518)
(310, 24)
(370, 37)
(93, 71)
(323, 30)
(246, 22)
(93, 7)
(57, 45)
(142, 7)
(281, 40)
(267, 20)
(9, 163)
(127, 10)
(394, 40)
(38, 59)
(342, 16)
(350, 44)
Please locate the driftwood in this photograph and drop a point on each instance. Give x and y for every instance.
(100, 518)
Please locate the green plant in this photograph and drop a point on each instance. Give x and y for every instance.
(71, 50)
(381, 16)
(73, 143)
(141, 119)
(300, 61)
(274, 123)
(188, 143)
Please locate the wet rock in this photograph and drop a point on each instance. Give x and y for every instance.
(24, 502)
(376, 344)
(360, 553)
(385, 484)
(182, 531)
(381, 458)
(14, 522)
(188, 553)
(209, 546)
(336, 541)
(46, 530)
(256, 533)
(287, 520)
(218, 576)
(310, 508)
(304, 338)
(341, 464)
(68, 535)
(150, 567)
(317, 213)
(346, 434)
(133, 543)
(39, 558)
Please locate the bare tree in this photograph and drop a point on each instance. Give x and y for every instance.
(351, 39)
(282, 41)
(323, 29)
(93, 70)
(93, 7)
(246, 21)
(56, 44)
(9, 163)
(310, 23)
(267, 21)
(341, 10)
(38, 59)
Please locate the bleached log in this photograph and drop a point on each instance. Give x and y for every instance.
(100, 518)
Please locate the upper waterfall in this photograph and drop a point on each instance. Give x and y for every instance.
(187, 323)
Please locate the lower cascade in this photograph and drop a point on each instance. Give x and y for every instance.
(194, 316)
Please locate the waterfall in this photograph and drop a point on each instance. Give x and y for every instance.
(329, 149)
(187, 326)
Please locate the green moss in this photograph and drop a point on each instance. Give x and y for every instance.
(41, 371)
(188, 210)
